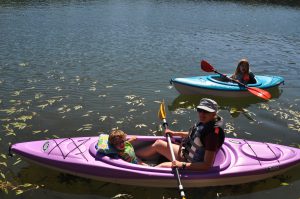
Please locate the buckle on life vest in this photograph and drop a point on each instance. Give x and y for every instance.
(217, 130)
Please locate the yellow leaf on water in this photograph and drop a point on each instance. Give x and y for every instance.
(18, 192)
(3, 156)
(140, 125)
(77, 107)
(102, 118)
(43, 106)
(284, 184)
(17, 162)
(2, 175)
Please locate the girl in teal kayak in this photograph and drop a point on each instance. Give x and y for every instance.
(125, 150)
(243, 73)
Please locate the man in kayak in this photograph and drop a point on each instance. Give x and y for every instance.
(242, 73)
(198, 147)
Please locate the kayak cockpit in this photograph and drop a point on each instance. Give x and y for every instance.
(223, 80)
(222, 160)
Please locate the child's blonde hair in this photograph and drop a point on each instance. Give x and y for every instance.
(114, 134)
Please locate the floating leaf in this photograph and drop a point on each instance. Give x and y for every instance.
(27, 185)
(36, 132)
(5, 119)
(102, 118)
(38, 95)
(2, 175)
(18, 192)
(19, 125)
(284, 184)
(24, 64)
(43, 106)
(24, 118)
(58, 88)
(3, 156)
(122, 196)
(9, 111)
(140, 125)
(77, 107)
(16, 93)
(93, 89)
(17, 162)
(51, 101)
(130, 97)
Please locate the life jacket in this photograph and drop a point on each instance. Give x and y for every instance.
(104, 147)
(193, 146)
(128, 153)
(243, 78)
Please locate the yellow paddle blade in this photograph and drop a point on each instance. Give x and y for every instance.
(162, 111)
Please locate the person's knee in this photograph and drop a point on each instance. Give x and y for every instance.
(159, 143)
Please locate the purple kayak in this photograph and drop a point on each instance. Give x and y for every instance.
(238, 161)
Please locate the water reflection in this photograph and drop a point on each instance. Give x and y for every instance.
(69, 184)
(234, 105)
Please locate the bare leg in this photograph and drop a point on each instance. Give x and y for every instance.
(160, 147)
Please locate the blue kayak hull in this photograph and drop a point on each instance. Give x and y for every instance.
(215, 86)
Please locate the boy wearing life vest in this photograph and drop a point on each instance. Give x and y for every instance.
(125, 150)
(243, 74)
(199, 146)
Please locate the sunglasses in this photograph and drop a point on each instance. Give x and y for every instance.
(202, 111)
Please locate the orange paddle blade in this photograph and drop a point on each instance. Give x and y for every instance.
(259, 92)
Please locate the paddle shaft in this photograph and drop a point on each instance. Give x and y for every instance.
(180, 187)
(236, 81)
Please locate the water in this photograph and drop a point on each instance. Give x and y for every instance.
(75, 68)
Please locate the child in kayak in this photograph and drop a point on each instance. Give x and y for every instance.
(125, 150)
(199, 145)
(243, 74)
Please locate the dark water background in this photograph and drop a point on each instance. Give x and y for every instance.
(75, 68)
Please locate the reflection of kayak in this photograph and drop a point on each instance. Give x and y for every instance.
(239, 161)
(213, 85)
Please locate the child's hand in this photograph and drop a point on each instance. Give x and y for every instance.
(132, 138)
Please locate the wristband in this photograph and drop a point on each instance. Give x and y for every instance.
(183, 165)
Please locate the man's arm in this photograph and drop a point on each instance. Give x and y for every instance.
(208, 162)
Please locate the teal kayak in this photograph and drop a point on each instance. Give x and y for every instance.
(216, 85)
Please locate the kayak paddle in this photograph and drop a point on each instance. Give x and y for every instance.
(162, 116)
(255, 91)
